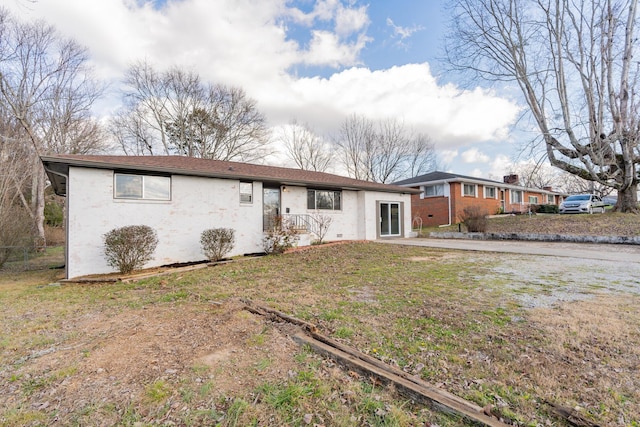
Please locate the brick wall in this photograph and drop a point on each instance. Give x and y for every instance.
(433, 211)
(460, 202)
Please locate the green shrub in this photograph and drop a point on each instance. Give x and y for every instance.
(53, 215)
(475, 219)
(280, 237)
(217, 242)
(545, 208)
(129, 248)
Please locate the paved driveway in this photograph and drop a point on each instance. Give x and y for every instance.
(608, 252)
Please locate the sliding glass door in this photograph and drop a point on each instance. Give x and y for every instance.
(389, 219)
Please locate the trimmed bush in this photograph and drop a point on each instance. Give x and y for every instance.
(217, 242)
(475, 219)
(545, 209)
(280, 237)
(129, 248)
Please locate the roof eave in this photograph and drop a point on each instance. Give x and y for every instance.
(222, 175)
(484, 183)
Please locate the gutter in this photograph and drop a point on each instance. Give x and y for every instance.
(449, 207)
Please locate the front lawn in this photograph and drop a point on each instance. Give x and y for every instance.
(608, 224)
(180, 349)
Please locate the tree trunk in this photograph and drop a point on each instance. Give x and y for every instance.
(37, 203)
(628, 199)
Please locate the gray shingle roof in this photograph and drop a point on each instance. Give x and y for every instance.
(441, 176)
(452, 177)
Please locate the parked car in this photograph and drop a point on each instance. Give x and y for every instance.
(582, 203)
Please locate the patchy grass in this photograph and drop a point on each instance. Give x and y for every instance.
(52, 257)
(609, 224)
(180, 350)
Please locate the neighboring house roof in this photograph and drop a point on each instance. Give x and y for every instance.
(442, 176)
(57, 167)
(438, 177)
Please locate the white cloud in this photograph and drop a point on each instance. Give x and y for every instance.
(348, 19)
(325, 9)
(327, 48)
(500, 166)
(247, 43)
(473, 155)
(403, 32)
(447, 156)
(477, 173)
(451, 116)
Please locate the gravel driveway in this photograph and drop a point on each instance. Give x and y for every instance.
(543, 274)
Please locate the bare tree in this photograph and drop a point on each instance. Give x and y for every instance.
(573, 62)
(139, 127)
(356, 142)
(47, 89)
(422, 156)
(130, 132)
(174, 112)
(305, 148)
(540, 174)
(238, 128)
(537, 174)
(383, 151)
(573, 184)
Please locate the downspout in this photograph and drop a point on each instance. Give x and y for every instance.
(66, 219)
(449, 203)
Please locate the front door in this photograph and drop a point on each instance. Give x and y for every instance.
(270, 207)
(389, 219)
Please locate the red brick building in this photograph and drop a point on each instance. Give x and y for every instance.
(444, 196)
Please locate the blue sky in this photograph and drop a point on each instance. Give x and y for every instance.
(401, 32)
(316, 61)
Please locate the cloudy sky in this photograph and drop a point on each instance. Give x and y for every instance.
(316, 61)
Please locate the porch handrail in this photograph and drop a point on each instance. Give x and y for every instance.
(304, 222)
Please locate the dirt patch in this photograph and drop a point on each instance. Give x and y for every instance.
(122, 356)
(431, 258)
(594, 335)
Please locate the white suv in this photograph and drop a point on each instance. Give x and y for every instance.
(582, 203)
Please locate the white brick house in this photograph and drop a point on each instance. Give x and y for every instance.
(180, 197)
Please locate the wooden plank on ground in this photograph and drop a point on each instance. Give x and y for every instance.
(372, 368)
(572, 416)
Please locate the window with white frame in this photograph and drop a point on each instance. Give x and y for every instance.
(141, 187)
(490, 192)
(533, 200)
(551, 199)
(516, 196)
(324, 199)
(434, 190)
(469, 190)
(246, 192)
